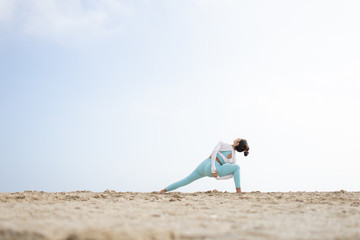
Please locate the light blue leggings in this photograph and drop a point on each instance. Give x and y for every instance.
(204, 170)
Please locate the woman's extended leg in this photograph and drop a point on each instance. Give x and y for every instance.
(195, 175)
(228, 169)
(202, 170)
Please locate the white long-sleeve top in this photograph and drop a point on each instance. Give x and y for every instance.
(221, 146)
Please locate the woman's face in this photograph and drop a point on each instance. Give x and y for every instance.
(236, 142)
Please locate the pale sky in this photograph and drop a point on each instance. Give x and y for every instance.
(133, 95)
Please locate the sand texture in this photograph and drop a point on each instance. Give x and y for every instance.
(201, 215)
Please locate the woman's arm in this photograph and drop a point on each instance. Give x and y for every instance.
(213, 156)
(233, 157)
(224, 177)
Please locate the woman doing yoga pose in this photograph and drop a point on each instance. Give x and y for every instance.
(220, 165)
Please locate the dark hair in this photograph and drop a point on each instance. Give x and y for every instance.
(243, 146)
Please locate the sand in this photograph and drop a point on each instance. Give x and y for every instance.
(201, 215)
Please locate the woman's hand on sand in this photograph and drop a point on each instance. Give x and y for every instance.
(215, 174)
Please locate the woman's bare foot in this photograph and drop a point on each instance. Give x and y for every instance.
(162, 191)
(238, 190)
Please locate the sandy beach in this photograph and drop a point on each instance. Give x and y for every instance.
(200, 215)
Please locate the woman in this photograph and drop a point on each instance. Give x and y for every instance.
(220, 164)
